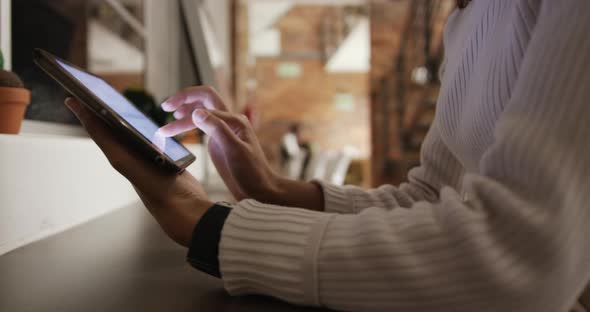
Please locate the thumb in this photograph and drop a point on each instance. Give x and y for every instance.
(77, 109)
(214, 127)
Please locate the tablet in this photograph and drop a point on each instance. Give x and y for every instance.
(137, 129)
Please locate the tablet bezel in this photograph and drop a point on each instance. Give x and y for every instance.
(48, 63)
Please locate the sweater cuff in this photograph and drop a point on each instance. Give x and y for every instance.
(203, 252)
(272, 250)
(336, 199)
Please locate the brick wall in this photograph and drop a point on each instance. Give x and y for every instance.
(309, 97)
(240, 55)
(301, 29)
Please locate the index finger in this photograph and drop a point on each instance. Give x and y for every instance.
(205, 95)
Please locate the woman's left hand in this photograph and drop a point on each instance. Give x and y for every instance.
(177, 202)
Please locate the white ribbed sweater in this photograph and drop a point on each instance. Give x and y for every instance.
(496, 218)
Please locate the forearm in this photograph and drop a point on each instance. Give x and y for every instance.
(292, 193)
(179, 209)
(439, 167)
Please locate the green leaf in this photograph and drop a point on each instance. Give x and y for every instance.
(1, 61)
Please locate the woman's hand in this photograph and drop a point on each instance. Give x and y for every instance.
(235, 150)
(176, 201)
(233, 146)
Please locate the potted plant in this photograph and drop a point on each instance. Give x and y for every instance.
(14, 99)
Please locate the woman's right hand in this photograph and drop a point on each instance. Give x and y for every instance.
(233, 146)
(235, 150)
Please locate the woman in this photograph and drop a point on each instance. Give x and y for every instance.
(495, 218)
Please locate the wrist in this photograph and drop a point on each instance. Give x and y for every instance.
(191, 218)
(179, 219)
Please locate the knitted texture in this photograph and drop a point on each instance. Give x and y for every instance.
(496, 218)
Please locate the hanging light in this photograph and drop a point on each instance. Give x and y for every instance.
(420, 75)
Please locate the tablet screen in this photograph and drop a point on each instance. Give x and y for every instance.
(127, 111)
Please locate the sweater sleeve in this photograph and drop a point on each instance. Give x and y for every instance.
(519, 243)
(438, 167)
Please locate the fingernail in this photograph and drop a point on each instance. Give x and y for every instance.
(200, 114)
(161, 132)
(177, 115)
(166, 106)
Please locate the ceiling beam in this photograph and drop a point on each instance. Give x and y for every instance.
(133, 22)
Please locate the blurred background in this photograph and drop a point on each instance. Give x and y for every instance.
(339, 90)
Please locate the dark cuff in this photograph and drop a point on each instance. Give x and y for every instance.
(203, 251)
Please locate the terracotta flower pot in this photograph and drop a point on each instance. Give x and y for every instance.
(13, 103)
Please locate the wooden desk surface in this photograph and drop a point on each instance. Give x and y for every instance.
(119, 262)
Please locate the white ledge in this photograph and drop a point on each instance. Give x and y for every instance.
(51, 183)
